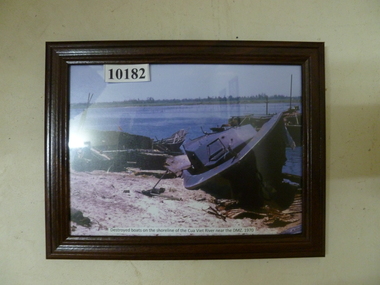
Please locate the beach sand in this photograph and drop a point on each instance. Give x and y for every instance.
(112, 203)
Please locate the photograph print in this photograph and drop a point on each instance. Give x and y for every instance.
(185, 149)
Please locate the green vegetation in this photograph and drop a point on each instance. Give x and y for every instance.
(150, 101)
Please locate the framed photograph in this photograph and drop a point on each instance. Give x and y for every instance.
(184, 150)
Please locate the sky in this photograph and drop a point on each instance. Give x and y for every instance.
(179, 81)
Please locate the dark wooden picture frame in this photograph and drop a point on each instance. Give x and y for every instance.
(61, 244)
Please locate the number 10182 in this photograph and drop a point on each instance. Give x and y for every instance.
(126, 72)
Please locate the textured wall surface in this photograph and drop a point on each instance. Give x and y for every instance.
(351, 32)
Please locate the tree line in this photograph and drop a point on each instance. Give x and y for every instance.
(260, 98)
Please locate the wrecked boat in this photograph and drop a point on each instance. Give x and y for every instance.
(257, 121)
(115, 151)
(172, 143)
(293, 121)
(246, 159)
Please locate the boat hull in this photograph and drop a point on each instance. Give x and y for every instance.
(252, 173)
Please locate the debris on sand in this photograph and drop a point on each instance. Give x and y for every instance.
(103, 201)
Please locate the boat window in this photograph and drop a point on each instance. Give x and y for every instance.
(216, 150)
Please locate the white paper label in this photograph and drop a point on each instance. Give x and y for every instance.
(126, 72)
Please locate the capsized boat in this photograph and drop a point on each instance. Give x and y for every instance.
(247, 158)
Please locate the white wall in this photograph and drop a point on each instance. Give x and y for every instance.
(351, 32)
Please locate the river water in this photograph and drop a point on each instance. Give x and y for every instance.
(158, 122)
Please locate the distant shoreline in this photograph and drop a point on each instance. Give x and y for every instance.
(153, 103)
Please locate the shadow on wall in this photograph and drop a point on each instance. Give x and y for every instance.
(353, 141)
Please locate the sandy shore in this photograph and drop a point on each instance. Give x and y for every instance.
(112, 203)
